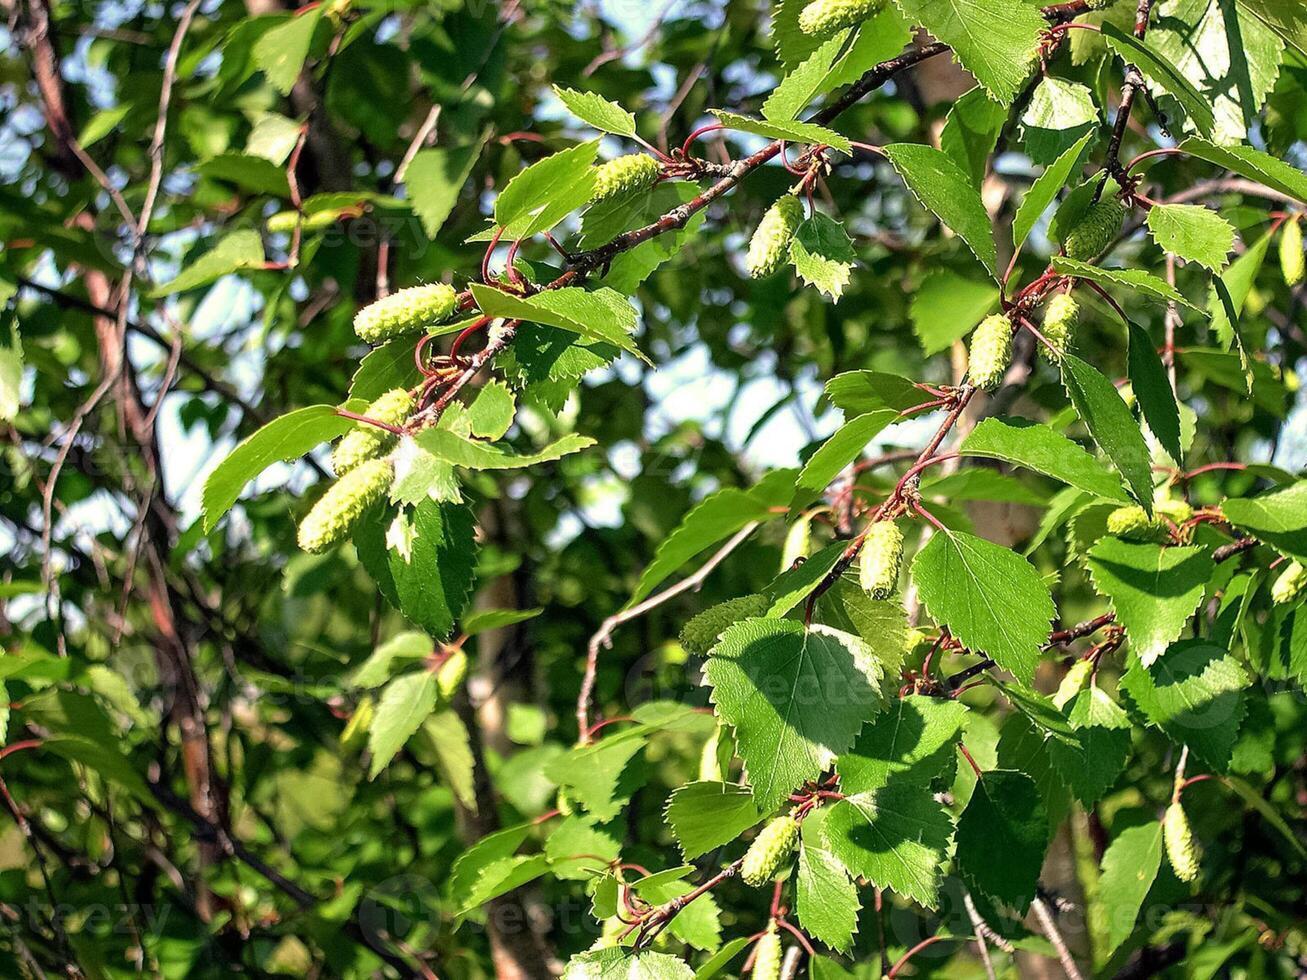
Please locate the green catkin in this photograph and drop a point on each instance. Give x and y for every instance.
(333, 517)
(1181, 848)
(882, 554)
(285, 221)
(991, 351)
(1175, 509)
(822, 17)
(1095, 230)
(770, 244)
(1291, 257)
(370, 441)
(767, 955)
(625, 174)
(769, 851)
(1291, 585)
(700, 634)
(451, 675)
(1133, 524)
(1060, 321)
(405, 311)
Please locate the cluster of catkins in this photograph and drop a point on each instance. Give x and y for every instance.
(360, 458)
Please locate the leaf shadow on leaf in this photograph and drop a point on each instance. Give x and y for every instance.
(1173, 582)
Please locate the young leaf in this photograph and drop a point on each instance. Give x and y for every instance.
(706, 815)
(1226, 304)
(623, 963)
(1100, 405)
(1129, 869)
(1193, 233)
(989, 597)
(1142, 282)
(280, 52)
(837, 452)
(450, 447)
(995, 40)
(1275, 517)
(1060, 115)
(601, 314)
(1152, 388)
(422, 561)
(825, 898)
(593, 774)
(805, 82)
(1043, 450)
(1002, 836)
(1154, 590)
(1253, 164)
(860, 392)
(792, 131)
(594, 110)
(822, 254)
(698, 924)
(235, 252)
(971, 131)
(281, 440)
(795, 696)
(546, 192)
(405, 704)
(1045, 188)
(943, 187)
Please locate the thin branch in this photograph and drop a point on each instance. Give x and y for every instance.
(603, 636)
(1055, 937)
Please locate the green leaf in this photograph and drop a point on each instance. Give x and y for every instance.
(989, 597)
(578, 850)
(1268, 812)
(448, 740)
(238, 250)
(405, 704)
(877, 40)
(943, 187)
(860, 392)
(383, 368)
(621, 963)
(1152, 388)
(1162, 75)
(450, 447)
(914, 741)
(11, 376)
(605, 220)
(790, 131)
(593, 773)
(805, 82)
(1142, 282)
(698, 924)
(946, 306)
(822, 254)
(249, 173)
(825, 898)
(468, 866)
(837, 452)
(434, 179)
(596, 111)
(712, 520)
(1130, 867)
(601, 314)
(1060, 115)
(281, 51)
(794, 585)
(1045, 188)
(281, 440)
(1231, 58)
(1193, 233)
(1102, 409)
(897, 837)
(1253, 164)
(1037, 447)
(982, 483)
(503, 876)
(971, 132)
(1194, 692)
(706, 815)
(400, 651)
(1288, 20)
(1154, 590)
(1002, 836)
(1275, 517)
(422, 561)
(796, 698)
(486, 620)
(1230, 293)
(995, 40)
(104, 757)
(714, 964)
(546, 192)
